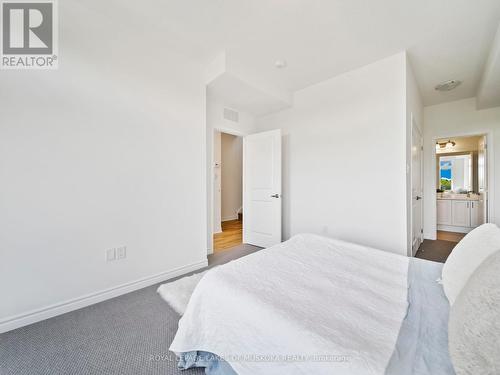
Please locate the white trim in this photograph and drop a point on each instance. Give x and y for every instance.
(230, 131)
(490, 174)
(37, 315)
(454, 228)
(229, 218)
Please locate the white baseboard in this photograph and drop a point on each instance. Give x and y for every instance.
(453, 228)
(37, 315)
(228, 218)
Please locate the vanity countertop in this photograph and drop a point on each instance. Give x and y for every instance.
(458, 197)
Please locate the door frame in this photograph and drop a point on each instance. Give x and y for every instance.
(490, 178)
(211, 180)
(414, 125)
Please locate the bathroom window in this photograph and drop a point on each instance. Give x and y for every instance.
(445, 174)
(455, 173)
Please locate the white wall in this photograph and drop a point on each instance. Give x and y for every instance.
(232, 175)
(109, 150)
(459, 118)
(216, 121)
(344, 157)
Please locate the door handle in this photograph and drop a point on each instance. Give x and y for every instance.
(275, 196)
(418, 198)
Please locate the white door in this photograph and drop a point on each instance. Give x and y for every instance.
(217, 227)
(482, 182)
(460, 213)
(262, 188)
(416, 187)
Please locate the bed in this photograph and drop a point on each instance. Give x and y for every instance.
(314, 305)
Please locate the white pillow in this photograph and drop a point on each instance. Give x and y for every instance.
(470, 252)
(474, 326)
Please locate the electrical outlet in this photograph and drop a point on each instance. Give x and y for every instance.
(121, 252)
(110, 255)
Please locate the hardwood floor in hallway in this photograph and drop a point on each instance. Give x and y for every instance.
(232, 235)
(449, 236)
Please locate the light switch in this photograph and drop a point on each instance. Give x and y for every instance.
(110, 255)
(121, 252)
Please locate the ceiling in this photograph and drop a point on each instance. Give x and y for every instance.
(239, 94)
(445, 39)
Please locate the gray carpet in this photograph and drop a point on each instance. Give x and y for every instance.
(129, 334)
(435, 250)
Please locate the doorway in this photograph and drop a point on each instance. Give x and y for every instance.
(228, 193)
(461, 185)
(247, 209)
(459, 170)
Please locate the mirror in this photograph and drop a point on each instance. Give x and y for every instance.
(455, 173)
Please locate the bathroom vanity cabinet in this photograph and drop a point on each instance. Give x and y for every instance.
(461, 215)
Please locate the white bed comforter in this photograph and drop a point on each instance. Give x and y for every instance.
(310, 305)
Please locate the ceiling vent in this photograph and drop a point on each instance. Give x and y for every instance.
(231, 115)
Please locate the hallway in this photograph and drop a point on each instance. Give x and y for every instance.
(232, 235)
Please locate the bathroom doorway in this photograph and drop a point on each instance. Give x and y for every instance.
(462, 194)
